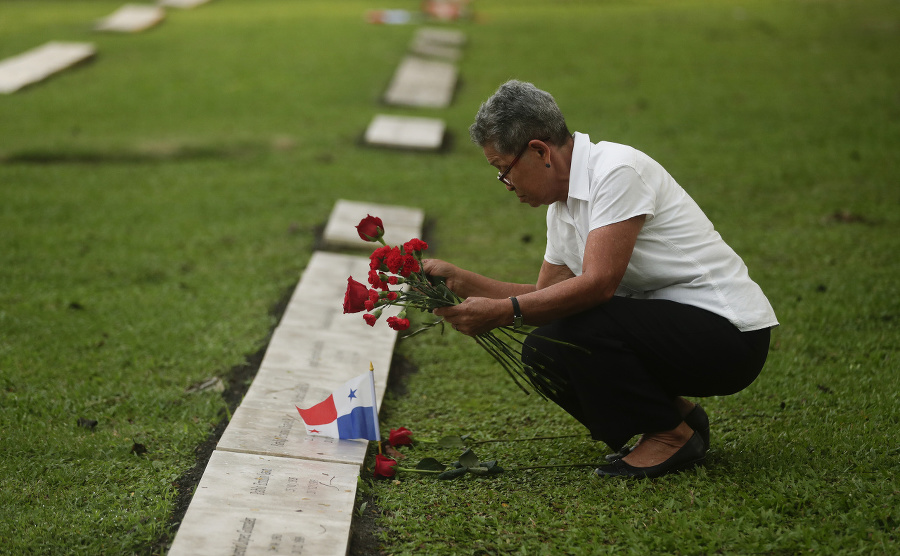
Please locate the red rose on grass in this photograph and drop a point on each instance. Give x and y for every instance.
(398, 324)
(384, 467)
(355, 297)
(400, 437)
(370, 228)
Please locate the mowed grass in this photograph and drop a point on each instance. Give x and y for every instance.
(158, 202)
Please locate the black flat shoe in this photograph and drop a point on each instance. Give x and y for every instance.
(697, 419)
(687, 457)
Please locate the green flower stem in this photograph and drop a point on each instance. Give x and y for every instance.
(527, 439)
(557, 466)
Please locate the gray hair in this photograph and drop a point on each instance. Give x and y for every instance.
(514, 115)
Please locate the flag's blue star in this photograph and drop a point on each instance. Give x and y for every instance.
(352, 394)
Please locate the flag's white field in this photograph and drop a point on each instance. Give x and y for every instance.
(349, 412)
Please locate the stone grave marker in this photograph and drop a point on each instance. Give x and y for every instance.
(131, 18)
(400, 225)
(436, 35)
(320, 353)
(317, 301)
(275, 388)
(422, 83)
(251, 504)
(280, 432)
(406, 132)
(445, 44)
(39, 63)
(182, 4)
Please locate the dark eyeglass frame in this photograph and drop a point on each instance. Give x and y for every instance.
(502, 175)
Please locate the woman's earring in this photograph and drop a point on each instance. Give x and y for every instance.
(547, 165)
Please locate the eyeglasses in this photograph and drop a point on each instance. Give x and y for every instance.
(502, 175)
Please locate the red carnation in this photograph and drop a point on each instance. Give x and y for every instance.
(400, 437)
(398, 324)
(376, 259)
(410, 265)
(384, 467)
(414, 245)
(375, 280)
(355, 297)
(370, 228)
(394, 261)
(370, 319)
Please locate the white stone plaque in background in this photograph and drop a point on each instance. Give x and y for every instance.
(432, 50)
(251, 504)
(131, 18)
(280, 432)
(422, 83)
(400, 225)
(39, 63)
(447, 37)
(406, 132)
(183, 4)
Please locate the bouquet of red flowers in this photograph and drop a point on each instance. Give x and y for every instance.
(401, 266)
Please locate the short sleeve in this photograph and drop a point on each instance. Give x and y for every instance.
(621, 194)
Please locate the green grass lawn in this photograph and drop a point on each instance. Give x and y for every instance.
(159, 202)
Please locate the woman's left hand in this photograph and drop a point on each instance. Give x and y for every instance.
(477, 315)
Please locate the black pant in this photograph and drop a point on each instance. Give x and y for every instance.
(644, 353)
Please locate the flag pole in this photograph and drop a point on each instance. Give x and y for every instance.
(375, 403)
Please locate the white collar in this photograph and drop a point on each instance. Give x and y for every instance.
(579, 181)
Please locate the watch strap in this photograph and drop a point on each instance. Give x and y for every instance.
(518, 320)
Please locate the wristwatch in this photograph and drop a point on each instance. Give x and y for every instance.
(518, 320)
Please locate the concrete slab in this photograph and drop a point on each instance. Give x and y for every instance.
(325, 315)
(39, 63)
(182, 4)
(321, 354)
(431, 50)
(432, 42)
(406, 132)
(131, 18)
(422, 83)
(255, 504)
(275, 388)
(234, 480)
(400, 225)
(435, 35)
(275, 432)
(258, 533)
(325, 276)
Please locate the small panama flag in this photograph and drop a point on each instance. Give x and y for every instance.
(348, 413)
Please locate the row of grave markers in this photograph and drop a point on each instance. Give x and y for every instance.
(37, 64)
(269, 488)
(425, 78)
